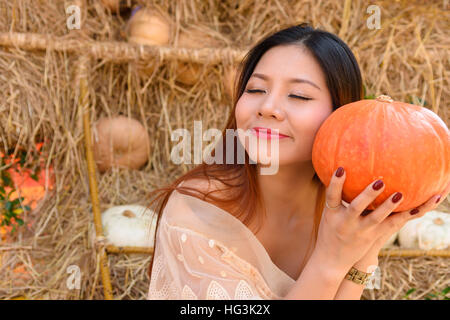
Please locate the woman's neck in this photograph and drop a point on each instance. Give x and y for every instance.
(290, 195)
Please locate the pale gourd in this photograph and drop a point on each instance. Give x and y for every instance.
(190, 72)
(149, 26)
(120, 142)
(432, 231)
(129, 226)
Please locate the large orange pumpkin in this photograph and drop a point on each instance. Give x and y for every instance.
(405, 145)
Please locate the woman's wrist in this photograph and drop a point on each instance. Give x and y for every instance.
(329, 268)
(366, 263)
(320, 279)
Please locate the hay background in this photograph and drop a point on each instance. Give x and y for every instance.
(406, 57)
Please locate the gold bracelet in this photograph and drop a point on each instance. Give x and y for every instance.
(358, 276)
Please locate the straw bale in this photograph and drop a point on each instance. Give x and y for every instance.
(406, 59)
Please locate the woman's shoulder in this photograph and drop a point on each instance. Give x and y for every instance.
(204, 185)
(194, 192)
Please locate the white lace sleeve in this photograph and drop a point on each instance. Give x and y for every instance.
(189, 266)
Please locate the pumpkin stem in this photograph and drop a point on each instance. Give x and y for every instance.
(384, 98)
(128, 213)
(438, 221)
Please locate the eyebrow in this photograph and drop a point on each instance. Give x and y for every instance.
(292, 80)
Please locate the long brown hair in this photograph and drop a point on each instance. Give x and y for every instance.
(343, 79)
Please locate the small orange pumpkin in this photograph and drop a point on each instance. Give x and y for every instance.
(405, 145)
(120, 142)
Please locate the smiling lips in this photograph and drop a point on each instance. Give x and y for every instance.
(267, 133)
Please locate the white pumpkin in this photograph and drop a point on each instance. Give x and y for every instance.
(129, 225)
(432, 231)
(390, 242)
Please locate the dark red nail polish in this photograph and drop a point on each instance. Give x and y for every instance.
(414, 211)
(339, 172)
(396, 198)
(437, 200)
(378, 185)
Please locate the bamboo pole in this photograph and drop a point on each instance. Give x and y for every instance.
(118, 51)
(345, 19)
(120, 250)
(414, 253)
(83, 65)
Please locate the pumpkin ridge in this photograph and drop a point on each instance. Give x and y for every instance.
(443, 164)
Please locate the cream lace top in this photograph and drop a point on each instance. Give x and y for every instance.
(203, 252)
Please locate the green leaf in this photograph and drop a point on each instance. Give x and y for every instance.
(27, 208)
(417, 101)
(34, 177)
(445, 291)
(6, 177)
(19, 221)
(8, 214)
(8, 206)
(409, 292)
(23, 156)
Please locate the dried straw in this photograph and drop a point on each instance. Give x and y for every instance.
(38, 63)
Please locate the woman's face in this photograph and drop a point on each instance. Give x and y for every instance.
(272, 99)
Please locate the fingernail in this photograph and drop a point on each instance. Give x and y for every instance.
(339, 172)
(414, 211)
(396, 198)
(378, 185)
(437, 200)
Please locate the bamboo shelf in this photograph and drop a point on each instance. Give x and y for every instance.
(117, 51)
(414, 253)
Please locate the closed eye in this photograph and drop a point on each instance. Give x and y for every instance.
(254, 91)
(291, 95)
(299, 97)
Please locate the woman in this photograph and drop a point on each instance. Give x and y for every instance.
(210, 247)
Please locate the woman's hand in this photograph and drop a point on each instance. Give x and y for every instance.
(345, 235)
(399, 219)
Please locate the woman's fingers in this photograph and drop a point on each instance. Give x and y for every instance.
(385, 209)
(333, 195)
(444, 194)
(396, 221)
(366, 197)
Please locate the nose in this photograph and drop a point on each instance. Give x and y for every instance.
(270, 109)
